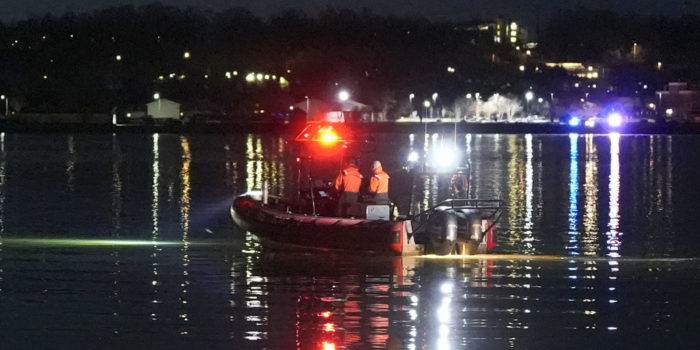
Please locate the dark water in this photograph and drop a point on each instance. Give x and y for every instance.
(124, 241)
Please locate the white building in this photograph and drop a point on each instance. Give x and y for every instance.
(162, 109)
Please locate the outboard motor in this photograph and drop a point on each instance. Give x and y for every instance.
(442, 232)
(469, 244)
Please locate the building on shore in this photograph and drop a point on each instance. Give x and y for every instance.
(163, 109)
(679, 103)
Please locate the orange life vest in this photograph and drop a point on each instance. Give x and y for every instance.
(349, 180)
(379, 183)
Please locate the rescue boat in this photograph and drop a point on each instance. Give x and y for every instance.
(456, 225)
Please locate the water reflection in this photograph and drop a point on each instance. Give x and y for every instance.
(566, 199)
(70, 163)
(185, 227)
(613, 235)
(155, 195)
(572, 246)
(589, 238)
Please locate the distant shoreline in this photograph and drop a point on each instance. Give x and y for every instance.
(377, 127)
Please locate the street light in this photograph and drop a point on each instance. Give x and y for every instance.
(7, 108)
(528, 97)
(343, 95)
(435, 96)
(156, 96)
(426, 104)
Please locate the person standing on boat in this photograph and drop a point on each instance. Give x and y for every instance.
(379, 184)
(348, 185)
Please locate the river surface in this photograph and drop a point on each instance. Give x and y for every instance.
(125, 242)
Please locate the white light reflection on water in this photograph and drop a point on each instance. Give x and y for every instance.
(572, 246)
(117, 205)
(590, 188)
(529, 174)
(444, 315)
(613, 235)
(155, 233)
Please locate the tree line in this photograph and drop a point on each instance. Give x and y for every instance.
(119, 57)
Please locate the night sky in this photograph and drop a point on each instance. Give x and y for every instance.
(12, 10)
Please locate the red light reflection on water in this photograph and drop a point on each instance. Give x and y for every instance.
(328, 345)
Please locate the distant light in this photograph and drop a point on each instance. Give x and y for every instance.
(156, 96)
(267, 77)
(413, 157)
(658, 65)
(435, 96)
(445, 158)
(118, 58)
(328, 345)
(235, 73)
(228, 75)
(291, 108)
(645, 86)
(469, 96)
(540, 100)
(576, 84)
(426, 103)
(528, 52)
(343, 95)
(652, 106)
(574, 121)
(329, 327)
(513, 25)
(614, 119)
(45, 76)
(450, 69)
(250, 77)
(2, 97)
(529, 96)
(669, 112)
(206, 76)
(128, 115)
(446, 287)
(589, 123)
(259, 76)
(329, 137)
(186, 54)
(283, 82)
(521, 68)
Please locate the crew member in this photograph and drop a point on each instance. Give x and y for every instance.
(379, 184)
(348, 185)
